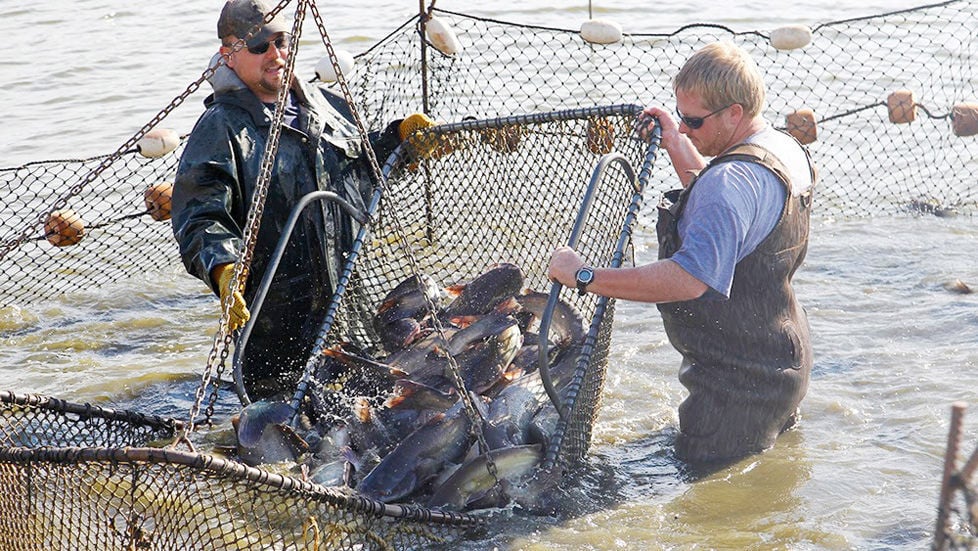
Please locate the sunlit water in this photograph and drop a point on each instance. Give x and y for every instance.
(893, 347)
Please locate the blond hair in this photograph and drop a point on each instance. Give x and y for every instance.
(722, 74)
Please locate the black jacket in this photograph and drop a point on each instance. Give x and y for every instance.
(215, 184)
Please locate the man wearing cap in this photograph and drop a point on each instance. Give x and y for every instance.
(319, 149)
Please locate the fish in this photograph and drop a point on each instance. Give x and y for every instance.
(483, 350)
(958, 286)
(419, 396)
(422, 352)
(410, 299)
(400, 334)
(397, 318)
(485, 292)
(566, 324)
(543, 425)
(473, 486)
(264, 435)
(512, 410)
(419, 457)
(482, 328)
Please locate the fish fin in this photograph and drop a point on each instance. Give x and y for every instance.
(400, 393)
(386, 305)
(512, 373)
(508, 306)
(361, 409)
(455, 290)
(297, 442)
(463, 321)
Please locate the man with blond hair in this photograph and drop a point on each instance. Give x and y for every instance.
(730, 241)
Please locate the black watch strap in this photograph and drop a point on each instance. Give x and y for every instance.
(584, 277)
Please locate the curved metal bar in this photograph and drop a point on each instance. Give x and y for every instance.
(302, 387)
(266, 281)
(574, 385)
(334, 305)
(537, 118)
(575, 236)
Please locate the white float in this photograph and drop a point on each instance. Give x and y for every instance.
(158, 142)
(442, 37)
(791, 37)
(327, 72)
(601, 31)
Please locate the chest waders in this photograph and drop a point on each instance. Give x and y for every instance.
(746, 360)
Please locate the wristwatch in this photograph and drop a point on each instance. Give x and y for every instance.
(584, 277)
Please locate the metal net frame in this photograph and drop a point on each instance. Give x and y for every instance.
(507, 190)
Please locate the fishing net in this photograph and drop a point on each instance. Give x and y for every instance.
(501, 190)
(85, 477)
(509, 190)
(506, 189)
(868, 166)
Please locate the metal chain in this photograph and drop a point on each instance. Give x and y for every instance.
(473, 414)
(224, 337)
(348, 96)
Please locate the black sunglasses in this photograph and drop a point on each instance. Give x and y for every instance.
(695, 122)
(282, 43)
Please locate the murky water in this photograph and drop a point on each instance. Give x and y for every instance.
(893, 347)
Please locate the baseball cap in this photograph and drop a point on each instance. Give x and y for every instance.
(241, 16)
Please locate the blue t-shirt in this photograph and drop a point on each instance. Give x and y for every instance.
(732, 209)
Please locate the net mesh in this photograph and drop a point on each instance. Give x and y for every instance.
(72, 481)
(868, 166)
(496, 193)
(79, 477)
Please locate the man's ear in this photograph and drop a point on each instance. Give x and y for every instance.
(737, 110)
(226, 52)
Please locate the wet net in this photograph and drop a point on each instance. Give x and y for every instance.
(845, 76)
(503, 193)
(83, 477)
(501, 190)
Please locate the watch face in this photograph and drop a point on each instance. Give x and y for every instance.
(585, 275)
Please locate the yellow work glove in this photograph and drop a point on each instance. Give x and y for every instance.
(425, 146)
(239, 314)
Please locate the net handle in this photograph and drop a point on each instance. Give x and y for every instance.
(272, 268)
(575, 236)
